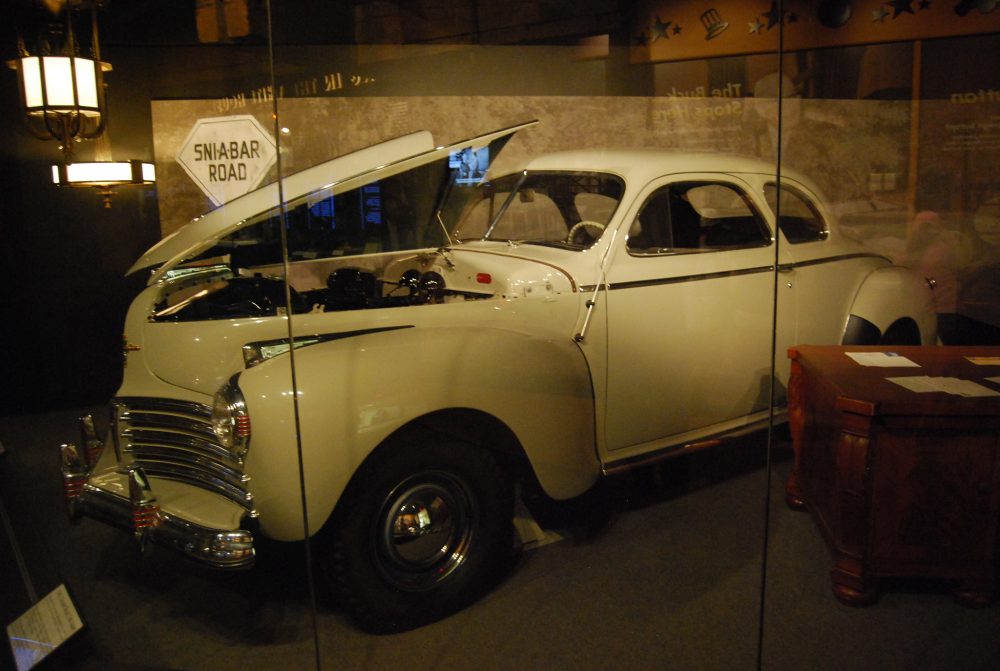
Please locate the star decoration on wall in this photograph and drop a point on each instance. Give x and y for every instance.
(900, 6)
(793, 17)
(659, 29)
(755, 26)
(677, 30)
(773, 15)
(640, 40)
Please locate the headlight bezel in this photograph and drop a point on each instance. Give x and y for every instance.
(230, 419)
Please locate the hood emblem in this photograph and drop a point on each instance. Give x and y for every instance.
(128, 347)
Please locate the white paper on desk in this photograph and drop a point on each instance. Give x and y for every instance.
(948, 385)
(918, 383)
(882, 359)
(967, 387)
(984, 360)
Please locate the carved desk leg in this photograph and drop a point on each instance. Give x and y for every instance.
(851, 581)
(796, 425)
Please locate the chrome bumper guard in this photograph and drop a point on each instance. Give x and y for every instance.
(141, 514)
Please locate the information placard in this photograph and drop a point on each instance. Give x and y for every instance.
(43, 628)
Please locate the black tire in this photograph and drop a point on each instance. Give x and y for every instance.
(421, 533)
(862, 332)
(901, 332)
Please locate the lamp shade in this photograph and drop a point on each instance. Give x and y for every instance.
(60, 83)
(103, 173)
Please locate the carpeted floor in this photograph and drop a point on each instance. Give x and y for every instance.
(658, 570)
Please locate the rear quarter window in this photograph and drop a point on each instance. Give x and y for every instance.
(799, 220)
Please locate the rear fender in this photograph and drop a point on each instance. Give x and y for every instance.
(892, 293)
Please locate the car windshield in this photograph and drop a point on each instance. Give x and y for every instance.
(561, 209)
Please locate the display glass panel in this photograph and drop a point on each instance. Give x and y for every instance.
(875, 536)
(506, 335)
(174, 556)
(517, 415)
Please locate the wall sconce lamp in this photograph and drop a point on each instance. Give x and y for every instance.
(103, 175)
(62, 94)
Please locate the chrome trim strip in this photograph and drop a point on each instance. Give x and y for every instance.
(784, 267)
(192, 444)
(670, 450)
(650, 458)
(167, 455)
(165, 471)
(140, 403)
(315, 339)
(689, 278)
(834, 259)
(149, 424)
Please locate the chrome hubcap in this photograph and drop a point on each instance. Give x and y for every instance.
(424, 530)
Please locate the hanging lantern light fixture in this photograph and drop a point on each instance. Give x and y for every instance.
(63, 98)
(62, 92)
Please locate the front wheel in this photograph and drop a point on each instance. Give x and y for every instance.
(421, 533)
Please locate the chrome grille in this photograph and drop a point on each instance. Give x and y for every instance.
(174, 440)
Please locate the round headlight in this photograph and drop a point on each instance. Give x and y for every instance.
(230, 420)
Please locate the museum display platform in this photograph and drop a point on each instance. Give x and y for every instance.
(896, 459)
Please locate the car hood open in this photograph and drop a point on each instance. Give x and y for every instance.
(343, 173)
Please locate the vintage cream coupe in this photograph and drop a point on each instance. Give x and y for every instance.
(445, 341)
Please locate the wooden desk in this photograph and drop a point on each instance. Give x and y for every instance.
(900, 483)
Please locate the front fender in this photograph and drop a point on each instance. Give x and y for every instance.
(892, 293)
(355, 392)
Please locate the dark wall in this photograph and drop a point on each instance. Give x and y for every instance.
(63, 255)
(64, 258)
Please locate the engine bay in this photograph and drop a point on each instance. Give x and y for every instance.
(313, 287)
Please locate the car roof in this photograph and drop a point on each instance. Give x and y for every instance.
(643, 164)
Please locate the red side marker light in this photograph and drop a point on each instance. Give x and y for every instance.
(484, 278)
(242, 426)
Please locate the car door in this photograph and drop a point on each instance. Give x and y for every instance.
(689, 312)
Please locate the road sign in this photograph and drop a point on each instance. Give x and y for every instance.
(227, 156)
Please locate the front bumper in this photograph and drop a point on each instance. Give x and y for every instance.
(134, 507)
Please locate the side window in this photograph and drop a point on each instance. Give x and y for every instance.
(696, 217)
(800, 220)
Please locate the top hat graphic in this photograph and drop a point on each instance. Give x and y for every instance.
(713, 23)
